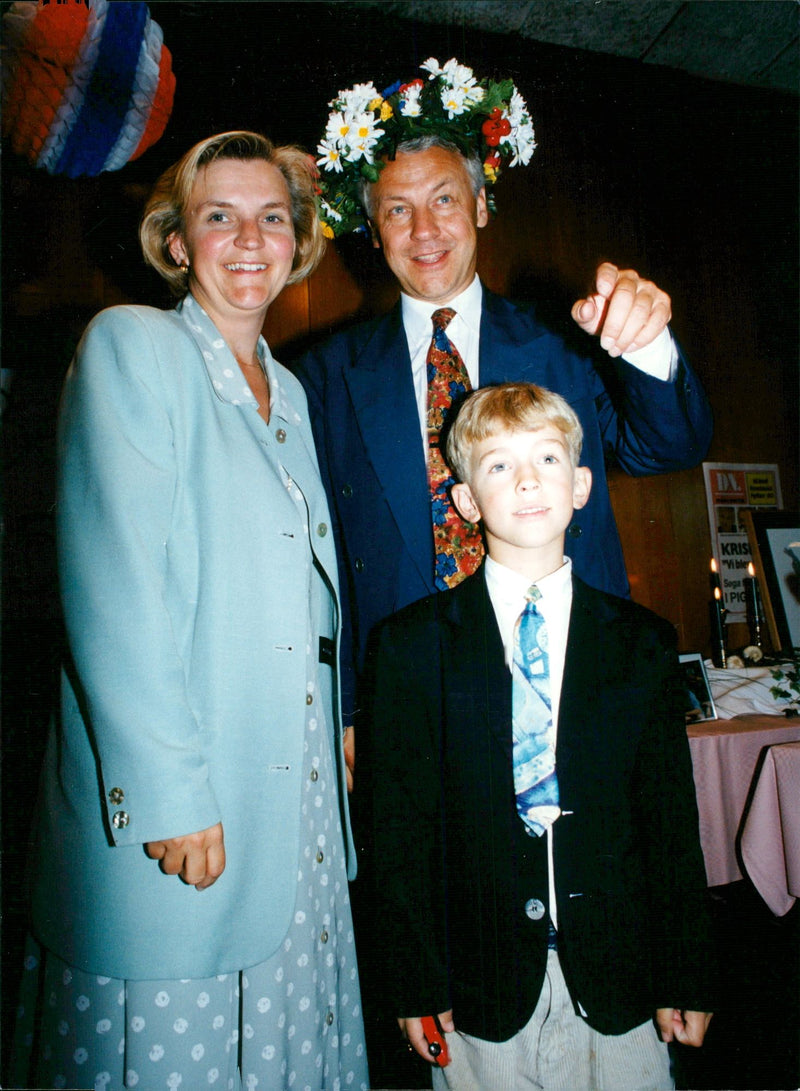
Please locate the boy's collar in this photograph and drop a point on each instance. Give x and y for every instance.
(510, 582)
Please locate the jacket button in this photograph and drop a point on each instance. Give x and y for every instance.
(322, 529)
(329, 1018)
(575, 531)
(309, 699)
(320, 856)
(359, 565)
(121, 820)
(323, 937)
(116, 796)
(347, 491)
(314, 775)
(534, 909)
(280, 435)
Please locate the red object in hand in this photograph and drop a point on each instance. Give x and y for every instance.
(437, 1046)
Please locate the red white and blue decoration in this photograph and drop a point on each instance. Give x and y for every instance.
(87, 85)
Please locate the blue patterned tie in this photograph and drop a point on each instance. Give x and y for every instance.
(534, 757)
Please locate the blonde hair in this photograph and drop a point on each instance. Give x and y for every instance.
(165, 210)
(514, 407)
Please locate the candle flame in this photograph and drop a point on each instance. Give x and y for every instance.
(751, 569)
(717, 594)
(714, 565)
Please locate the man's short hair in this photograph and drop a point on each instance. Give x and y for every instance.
(513, 407)
(474, 166)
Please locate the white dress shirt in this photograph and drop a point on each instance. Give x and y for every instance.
(659, 359)
(507, 591)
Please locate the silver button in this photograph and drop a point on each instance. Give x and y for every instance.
(121, 820)
(534, 909)
(322, 529)
(116, 796)
(323, 937)
(280, 435)
(314, 775)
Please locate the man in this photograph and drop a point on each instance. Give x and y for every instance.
(368, 387)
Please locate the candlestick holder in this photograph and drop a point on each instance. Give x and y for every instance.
(754, 611)
(719, 654)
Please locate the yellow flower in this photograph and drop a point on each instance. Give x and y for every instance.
(386, 110)
(327, 231)
(491, 173)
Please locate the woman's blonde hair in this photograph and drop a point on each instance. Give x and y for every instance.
(165, 210)
(513, 407)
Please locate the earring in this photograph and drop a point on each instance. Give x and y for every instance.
(184, 267)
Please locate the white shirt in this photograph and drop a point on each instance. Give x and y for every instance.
(507, 591)
(659, 359)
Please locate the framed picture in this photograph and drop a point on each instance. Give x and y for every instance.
(698, 701)
(775, 546)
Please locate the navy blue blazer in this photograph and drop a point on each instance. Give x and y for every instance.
(454, 870)
(366, 427)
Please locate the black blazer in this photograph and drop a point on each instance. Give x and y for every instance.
(453, 866)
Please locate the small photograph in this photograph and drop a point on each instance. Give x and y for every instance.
(698, 702)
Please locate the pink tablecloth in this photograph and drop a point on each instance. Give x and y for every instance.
(770, 837)
(724, 757)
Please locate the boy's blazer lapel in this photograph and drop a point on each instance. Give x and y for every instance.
(382, 393)
(473, 656)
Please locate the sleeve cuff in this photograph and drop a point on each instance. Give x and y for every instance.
(659, 359)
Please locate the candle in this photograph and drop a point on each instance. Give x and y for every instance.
(752, 598)
(714, 578)
(716, 612)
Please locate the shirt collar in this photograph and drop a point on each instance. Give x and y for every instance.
(511, 587)
(417, 312)
(224, 372)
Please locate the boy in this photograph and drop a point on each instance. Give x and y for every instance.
(546, 911)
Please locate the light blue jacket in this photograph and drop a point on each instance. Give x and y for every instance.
(189, 572)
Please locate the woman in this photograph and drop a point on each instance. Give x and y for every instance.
(190, 904)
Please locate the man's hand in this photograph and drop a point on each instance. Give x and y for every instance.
(625, 311)
(411, 1029)
(350, 754)
(688, 1027)
(198, 858)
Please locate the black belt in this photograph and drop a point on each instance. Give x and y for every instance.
(327, 651)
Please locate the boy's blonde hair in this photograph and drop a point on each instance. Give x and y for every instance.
(166, 207)
(513, 407)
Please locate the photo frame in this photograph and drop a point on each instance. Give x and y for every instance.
(698, 699)
(775, 546)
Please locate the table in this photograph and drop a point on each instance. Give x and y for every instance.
(770, 836)
(725, 754)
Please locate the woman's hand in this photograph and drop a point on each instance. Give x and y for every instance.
(198, 858)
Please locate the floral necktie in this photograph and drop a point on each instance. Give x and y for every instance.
(535, 783)
(458, 547)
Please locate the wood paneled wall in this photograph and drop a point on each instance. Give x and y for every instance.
(693, 183)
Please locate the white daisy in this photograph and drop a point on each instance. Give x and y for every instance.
(454, 100)
(330, 156)
(432, 66)
(410, 105)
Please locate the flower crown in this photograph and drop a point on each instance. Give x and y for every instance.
(366, 126)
